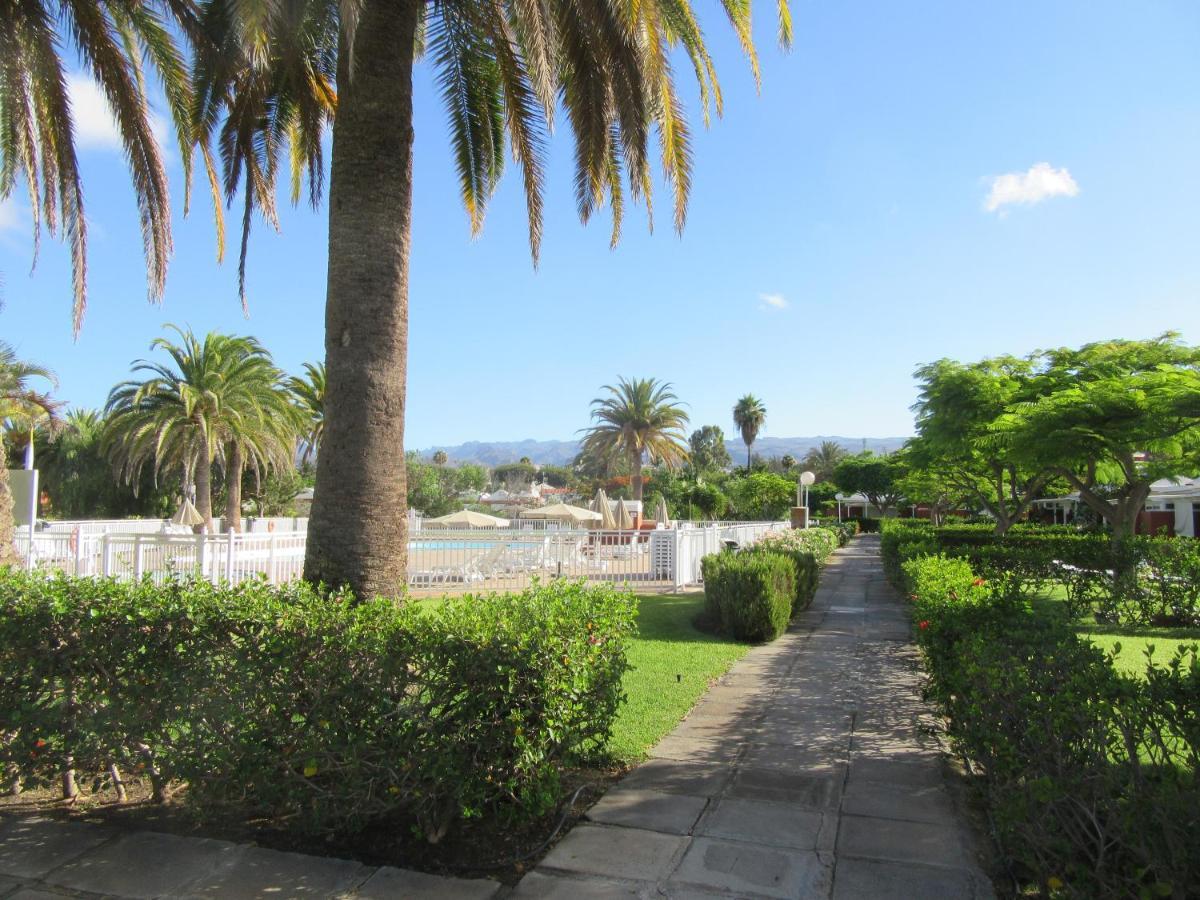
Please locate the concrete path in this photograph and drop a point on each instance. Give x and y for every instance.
(805, 772)
(42, 859)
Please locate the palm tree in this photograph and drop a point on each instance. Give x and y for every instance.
(21, 404)
(308, 393)
(788, 462)
(504, 68)
(221, 401)
(440, 458)
(748, 416)
(111, 40)
(638, 418)
(824, 459)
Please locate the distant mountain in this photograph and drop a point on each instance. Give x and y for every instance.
(560, 453)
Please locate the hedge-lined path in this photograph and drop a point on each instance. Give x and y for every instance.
(808, 771)
(42, 859)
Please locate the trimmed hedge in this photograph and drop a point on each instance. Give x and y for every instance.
(309, 707)
(1090, 775)
(1139, 581)
(750, 593)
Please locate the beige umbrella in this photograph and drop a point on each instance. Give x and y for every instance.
(466, 518)
(187, 514)
(603, 506)
(599, 501)
(562, 512)
(661, 515)
(624, 519)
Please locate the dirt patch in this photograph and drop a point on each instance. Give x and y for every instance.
(472, 849)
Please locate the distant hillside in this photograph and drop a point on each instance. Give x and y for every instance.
(559, 453)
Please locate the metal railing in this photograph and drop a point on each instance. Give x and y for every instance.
(438, 560)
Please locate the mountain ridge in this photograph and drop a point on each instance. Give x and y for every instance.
(560, 453)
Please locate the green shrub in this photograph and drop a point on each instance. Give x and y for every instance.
(807, 572)
(750, 593)
(291, 704)
(820, 542)
(1090, 775)
(866, 526)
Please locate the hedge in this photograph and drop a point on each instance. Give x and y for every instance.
(749, 593)
(1089, 775)
(1138, 581)
(307, 707)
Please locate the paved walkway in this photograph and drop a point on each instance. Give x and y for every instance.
(805, 772)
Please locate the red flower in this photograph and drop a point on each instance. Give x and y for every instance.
(923, 624)
(978, 582)
(39, 743)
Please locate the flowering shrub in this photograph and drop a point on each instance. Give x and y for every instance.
(309, 707)
(1090, 775)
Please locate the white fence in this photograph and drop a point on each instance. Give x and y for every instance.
(478, 559)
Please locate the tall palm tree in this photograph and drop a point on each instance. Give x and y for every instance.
(638, 418)
(504, 67)
(308, 393)
(221, 401)
(20, 402)
(824, 459)
(112, 40)
(749, 414)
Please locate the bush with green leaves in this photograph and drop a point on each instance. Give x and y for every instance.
(751, 594)
(1089, 774)
(308, 707)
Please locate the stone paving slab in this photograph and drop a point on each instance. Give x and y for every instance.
(652, 810)
(770, 823)
(870, 879)
(388, 883)
(538, 885)
(754, 870)
(258, 872)
(616, 852)
(29, 848)
(145, 865)
(898, 841)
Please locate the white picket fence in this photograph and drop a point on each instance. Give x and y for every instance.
(480, 559)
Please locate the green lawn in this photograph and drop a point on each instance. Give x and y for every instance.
(673, 664)
(1134, 639)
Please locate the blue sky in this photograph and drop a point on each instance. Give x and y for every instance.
(839, 233)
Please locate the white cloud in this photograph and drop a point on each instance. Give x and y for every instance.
(95, 125)
(1040, 182)
(773, 301)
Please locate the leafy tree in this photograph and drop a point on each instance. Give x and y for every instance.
(440, 458)
(709, 499)
(264, 78)
(557, 476)
(762, 496)
(220, 401)
(20, 401)
(78, 478)
(638, 418)
(822, 460)
(308, 394)
(749, 414)
(1111, 418)
(112, 41)
(875, 477)
(707, 450)
(957, 412)
(516, 476)
(788, 462)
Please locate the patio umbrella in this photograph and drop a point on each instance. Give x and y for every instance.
(660, 512)
(603, 506)
(562, 512)
(467, 518)
(624, 520)
(187, 514)
(599, 501)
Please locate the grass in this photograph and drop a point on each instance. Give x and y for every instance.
(673, 664)
(1134, 640)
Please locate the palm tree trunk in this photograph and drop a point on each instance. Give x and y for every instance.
(636, 465)
(204, 489)
(233, 487)
(8, 550)
(357, 535)
(748, 446)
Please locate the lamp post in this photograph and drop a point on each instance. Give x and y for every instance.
(806, 479)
